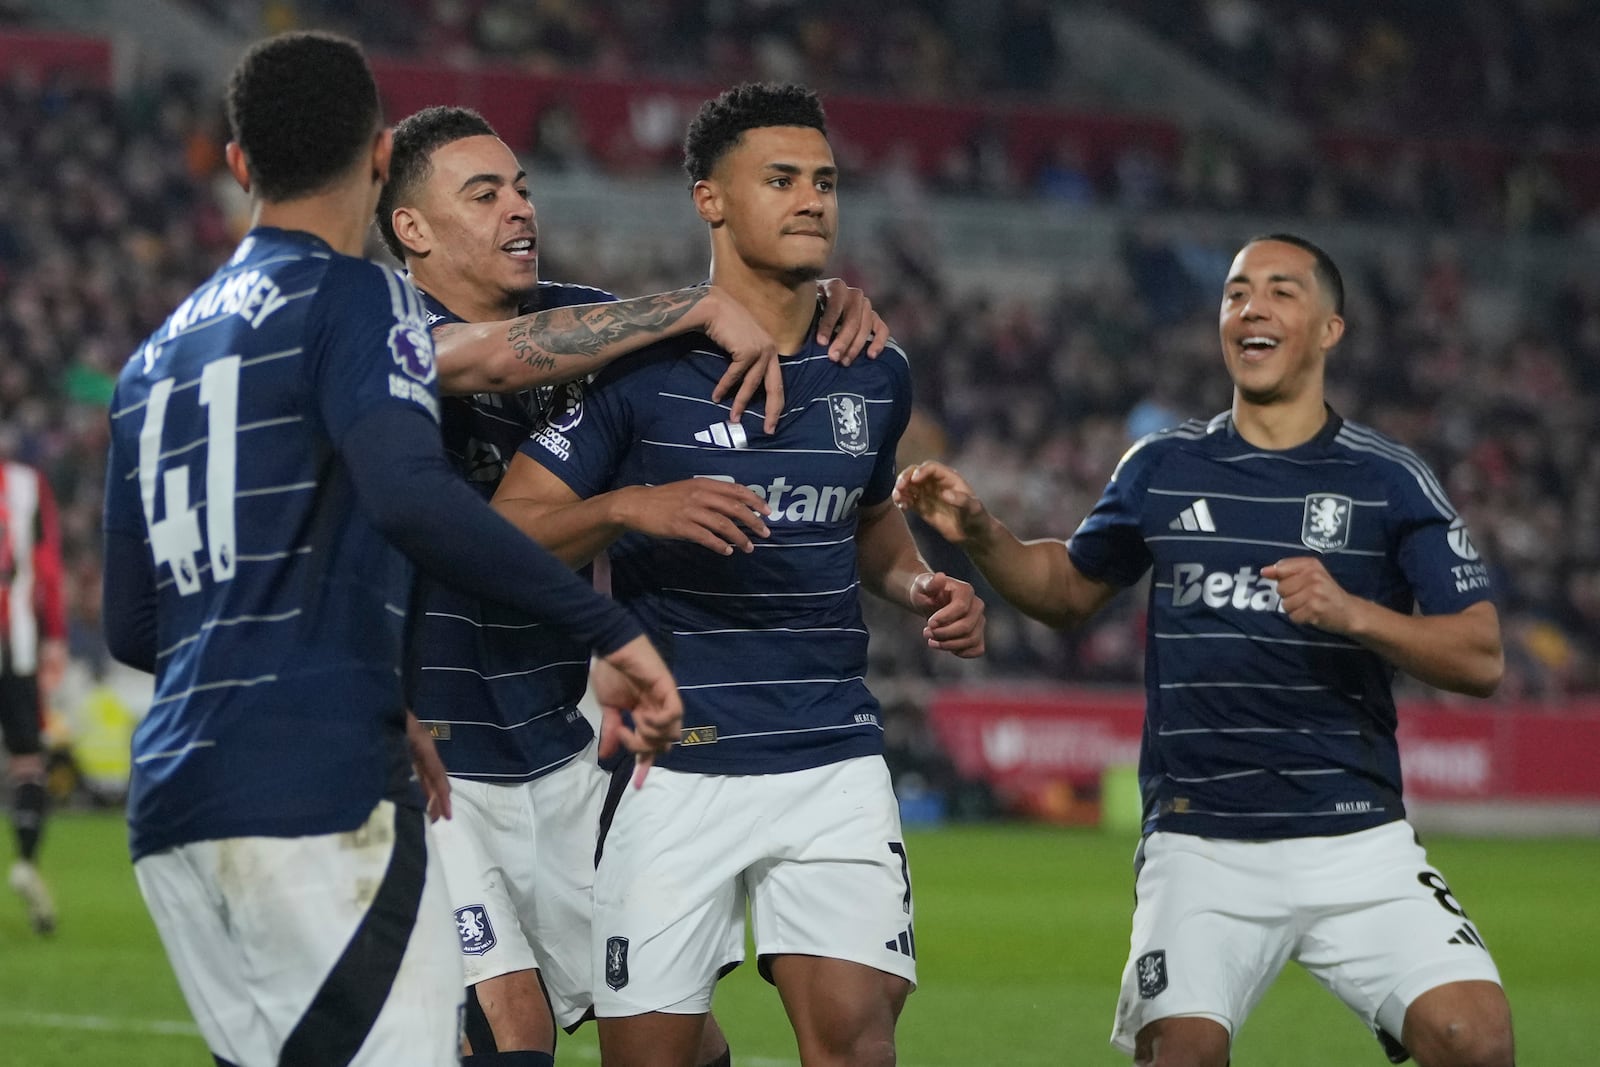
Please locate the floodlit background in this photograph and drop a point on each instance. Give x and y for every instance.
(1041, 198)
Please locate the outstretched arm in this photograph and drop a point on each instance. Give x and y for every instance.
(1460, 651)
(1037, 577)
(892, 569)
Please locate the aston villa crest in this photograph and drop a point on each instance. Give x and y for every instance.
(1326, 527)
(1151, 972)
(477, 935)
(616, 962)
(849, 414)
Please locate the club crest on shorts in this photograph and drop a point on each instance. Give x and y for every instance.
(1151, 971)
(1326, 527)
(849, 414)
(616, 962)
(477, 935)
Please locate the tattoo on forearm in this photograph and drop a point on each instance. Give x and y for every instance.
(574, 336)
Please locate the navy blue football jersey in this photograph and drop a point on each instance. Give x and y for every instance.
(499, 691)
(1255, 726)
(769, 647)
(280, 609)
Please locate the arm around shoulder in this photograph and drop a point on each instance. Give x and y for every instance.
(565, 344)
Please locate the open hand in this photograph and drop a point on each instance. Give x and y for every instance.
(718, 515)
(943, 499)
(848, 325)
(635, 677)
(752, 357)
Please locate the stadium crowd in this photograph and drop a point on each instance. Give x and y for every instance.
(1516, 68)
(113, 208)
(1445, 68)
(1472, 77)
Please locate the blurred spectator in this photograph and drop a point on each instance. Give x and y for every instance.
(1064, 177)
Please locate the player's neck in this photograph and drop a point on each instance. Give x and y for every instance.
(471, 303)
(783, 308)
(342, 216)
(1279, 426)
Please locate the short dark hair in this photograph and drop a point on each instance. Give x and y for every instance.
(416, 139)
(751, 106)
(1327, 272)
(303, 107)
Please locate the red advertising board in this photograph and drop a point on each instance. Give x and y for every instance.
(638, 123)
(41, 56)
(1024, 740)
(642, 122)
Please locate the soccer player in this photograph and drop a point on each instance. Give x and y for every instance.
(33, 657)
(498, 690)
(270, 443)
(777, 793)
(1292, 552)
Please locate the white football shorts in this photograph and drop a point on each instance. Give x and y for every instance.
(818, 855)
(334, 948)
(1216, 920)
(519, 863)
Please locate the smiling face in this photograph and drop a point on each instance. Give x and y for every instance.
(772, 203)
(1276, 326)
(471, 237)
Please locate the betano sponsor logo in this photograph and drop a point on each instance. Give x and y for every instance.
(802, 503)
(1243, 589)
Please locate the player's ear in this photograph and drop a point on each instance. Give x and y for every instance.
(238, 166)
(382, 150)
(412, 230)
(1332, 332)
(708, 201)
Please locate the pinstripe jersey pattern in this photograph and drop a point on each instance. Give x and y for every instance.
(280, 610)
(500, 691)
(1257, 727)
(769, 647)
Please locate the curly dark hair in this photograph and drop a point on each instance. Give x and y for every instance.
(1326, 271)
(751, 106)
(416, 139)
(303, 107)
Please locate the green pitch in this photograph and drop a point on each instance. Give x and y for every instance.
(1021, 930)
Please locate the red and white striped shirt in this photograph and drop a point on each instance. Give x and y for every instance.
(31, 596)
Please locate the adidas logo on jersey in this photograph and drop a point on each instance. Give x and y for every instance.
(698, 735)
(1467, 935)
(1195, 517)
(724, 435)
(1243, 589)
(802, 503)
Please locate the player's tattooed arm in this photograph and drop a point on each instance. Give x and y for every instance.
(568, 343)
(555, 346)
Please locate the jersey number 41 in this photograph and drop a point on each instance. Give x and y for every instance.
(175, 537)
